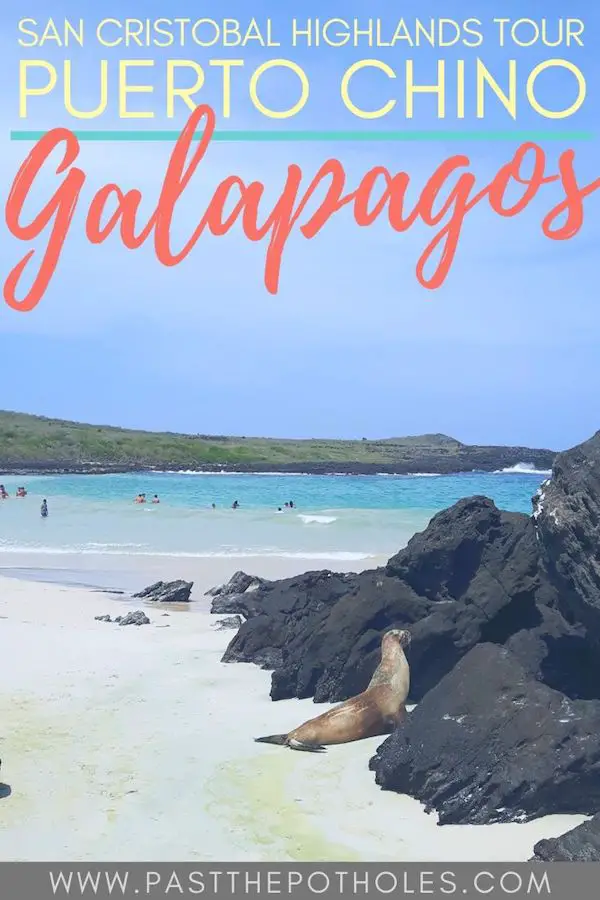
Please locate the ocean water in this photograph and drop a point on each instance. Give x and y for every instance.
(338, 517)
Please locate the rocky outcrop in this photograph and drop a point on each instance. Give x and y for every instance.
(232, 598)
(567, 514)
(167, 592)
(472, 576)
(230, 622)
(135, 617)
(278, 612)
(491, 744)
(504, 612)
(495, 740)
(239, 583)
(581, 844)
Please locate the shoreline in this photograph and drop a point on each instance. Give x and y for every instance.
(338, 470)
(115, 735)
(132, 573)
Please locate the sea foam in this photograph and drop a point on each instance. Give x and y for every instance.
(522, 468)
(339, 555)
(317, 520)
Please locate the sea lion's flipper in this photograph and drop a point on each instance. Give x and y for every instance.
(280, 739)
(309, 748)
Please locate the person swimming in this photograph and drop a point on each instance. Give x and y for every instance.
(155, 499)
(3, 493)
(235, 505)
(44, 509)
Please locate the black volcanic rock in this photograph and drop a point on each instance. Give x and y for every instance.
(239, 583)
(237, 596)
(230, 605)
(230, 622)
(472, 576)
(465, 548)
(558, 654)
(504, 612)
(491, 744)
(278, 610)
(333, 653)
(567, 514)
(135, 617)
(167, 592)
(581, 844)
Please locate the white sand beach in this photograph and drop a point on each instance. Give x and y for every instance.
(137, 743)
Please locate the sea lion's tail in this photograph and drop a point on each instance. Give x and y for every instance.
(280, 739)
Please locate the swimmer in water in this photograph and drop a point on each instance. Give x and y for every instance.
(44, 509)
(235, 505)
(155, 499)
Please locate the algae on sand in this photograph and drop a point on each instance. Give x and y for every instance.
(253, 795)
(44, 742)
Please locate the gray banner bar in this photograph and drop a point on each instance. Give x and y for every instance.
(42, 881)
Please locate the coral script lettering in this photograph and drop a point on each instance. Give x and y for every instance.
(443, 204)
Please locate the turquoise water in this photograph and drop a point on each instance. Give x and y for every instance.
(344, 517)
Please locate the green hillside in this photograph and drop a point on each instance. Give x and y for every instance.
(33, 443)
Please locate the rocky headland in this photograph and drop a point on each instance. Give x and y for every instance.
(504, 611)
(39, 445)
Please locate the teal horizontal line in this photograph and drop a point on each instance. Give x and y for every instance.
(291, 136)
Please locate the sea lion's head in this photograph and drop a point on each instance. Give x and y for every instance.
(397, 635)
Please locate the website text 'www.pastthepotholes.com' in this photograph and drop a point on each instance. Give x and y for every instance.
(122, 883)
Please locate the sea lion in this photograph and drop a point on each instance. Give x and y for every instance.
(378, 710)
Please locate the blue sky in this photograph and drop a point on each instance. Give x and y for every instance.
(505, 352)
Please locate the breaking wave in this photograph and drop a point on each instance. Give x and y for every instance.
(317, 520)
(523, 468)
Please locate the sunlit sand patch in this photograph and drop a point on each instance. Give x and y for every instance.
(256, 797)
(49, 781)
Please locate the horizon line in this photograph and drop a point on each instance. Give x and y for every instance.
(225, 136)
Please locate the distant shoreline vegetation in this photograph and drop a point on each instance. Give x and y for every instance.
(37, 445)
